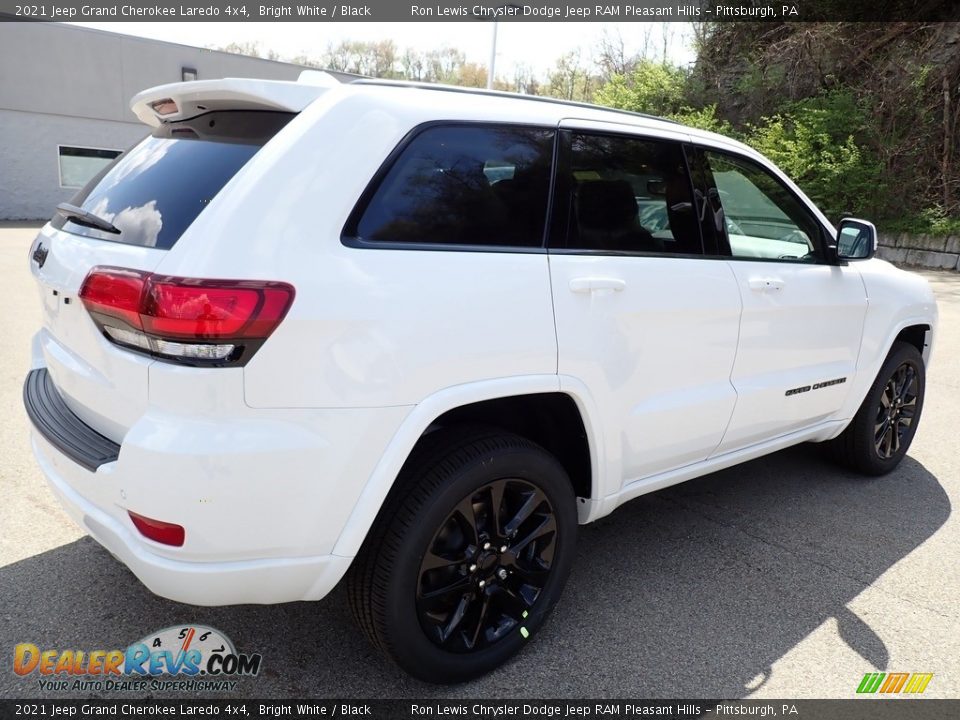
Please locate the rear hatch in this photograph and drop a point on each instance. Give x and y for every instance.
(128, 217)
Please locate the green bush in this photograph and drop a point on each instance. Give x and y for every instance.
(653, 87)
(930, 221)
(820, 143)
(704, 119)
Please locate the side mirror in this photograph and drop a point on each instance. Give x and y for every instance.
(856, 239)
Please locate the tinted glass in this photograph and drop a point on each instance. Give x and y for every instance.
(762, 218)
(627, 194)
(155, 190)
(79, 165)
(457, 185)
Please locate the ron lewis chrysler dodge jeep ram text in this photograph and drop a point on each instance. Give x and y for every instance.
(411, 336)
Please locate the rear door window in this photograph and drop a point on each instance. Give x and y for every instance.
(624, 194)
(155, 190)
(461, 185)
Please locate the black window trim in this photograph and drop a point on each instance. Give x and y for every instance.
(635, 253)
(820, 243)
(349, 236)
(564, 135)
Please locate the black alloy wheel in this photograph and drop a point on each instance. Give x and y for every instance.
(468, 556)
(486, 566)
(896, 411)
(879, 435)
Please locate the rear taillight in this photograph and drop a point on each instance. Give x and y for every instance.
(189, 320)
(115, 293)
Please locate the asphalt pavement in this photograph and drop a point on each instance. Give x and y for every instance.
(782, 578)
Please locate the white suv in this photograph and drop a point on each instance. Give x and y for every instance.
(412, 336)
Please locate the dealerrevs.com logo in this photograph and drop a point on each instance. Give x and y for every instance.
(191, 658)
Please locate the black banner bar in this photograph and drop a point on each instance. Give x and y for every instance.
(857, 709)
(468, 10)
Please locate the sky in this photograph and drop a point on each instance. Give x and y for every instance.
(536, 45)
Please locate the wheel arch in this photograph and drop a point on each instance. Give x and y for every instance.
(920, 335)
(516, 405)
(918, 331)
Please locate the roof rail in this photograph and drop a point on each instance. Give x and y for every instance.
(503, 94)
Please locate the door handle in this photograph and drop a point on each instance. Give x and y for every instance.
(765, 284)
(593, 284)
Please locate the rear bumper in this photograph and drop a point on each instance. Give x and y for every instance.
(61, 427)
(273, 580)
(263, 494)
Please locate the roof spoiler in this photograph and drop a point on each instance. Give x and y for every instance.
(178, 101)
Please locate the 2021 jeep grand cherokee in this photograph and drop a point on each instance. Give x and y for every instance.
(412, 336)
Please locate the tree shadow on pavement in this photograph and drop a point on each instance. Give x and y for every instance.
(694, 591)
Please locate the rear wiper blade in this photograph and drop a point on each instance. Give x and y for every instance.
(84, 217)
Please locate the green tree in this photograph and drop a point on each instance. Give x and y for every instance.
(820, 142)
(571, 79)
(250, 49)
(662, 89)
(372, 58)
(705, 118)
(652, 87)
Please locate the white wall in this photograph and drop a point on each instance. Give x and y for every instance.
(72, 86)
(29, 170)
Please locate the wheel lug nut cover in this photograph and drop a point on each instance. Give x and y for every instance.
(473, 568)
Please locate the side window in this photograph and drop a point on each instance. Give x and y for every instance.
(78, 165)
(626, 194)
(761, 217)
(463, 185)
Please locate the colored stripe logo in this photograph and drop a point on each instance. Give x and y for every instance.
(891, 683)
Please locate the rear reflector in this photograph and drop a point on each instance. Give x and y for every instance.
(185, 318)
(157, 530)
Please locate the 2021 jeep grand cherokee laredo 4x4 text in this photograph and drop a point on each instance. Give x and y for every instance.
(412, 336)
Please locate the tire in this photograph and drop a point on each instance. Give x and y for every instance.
(869, 444)
(422, 565)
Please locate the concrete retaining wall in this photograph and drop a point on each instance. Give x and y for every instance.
(927, 251)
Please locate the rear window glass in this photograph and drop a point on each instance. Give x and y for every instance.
(155, 190)
(464, 185)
